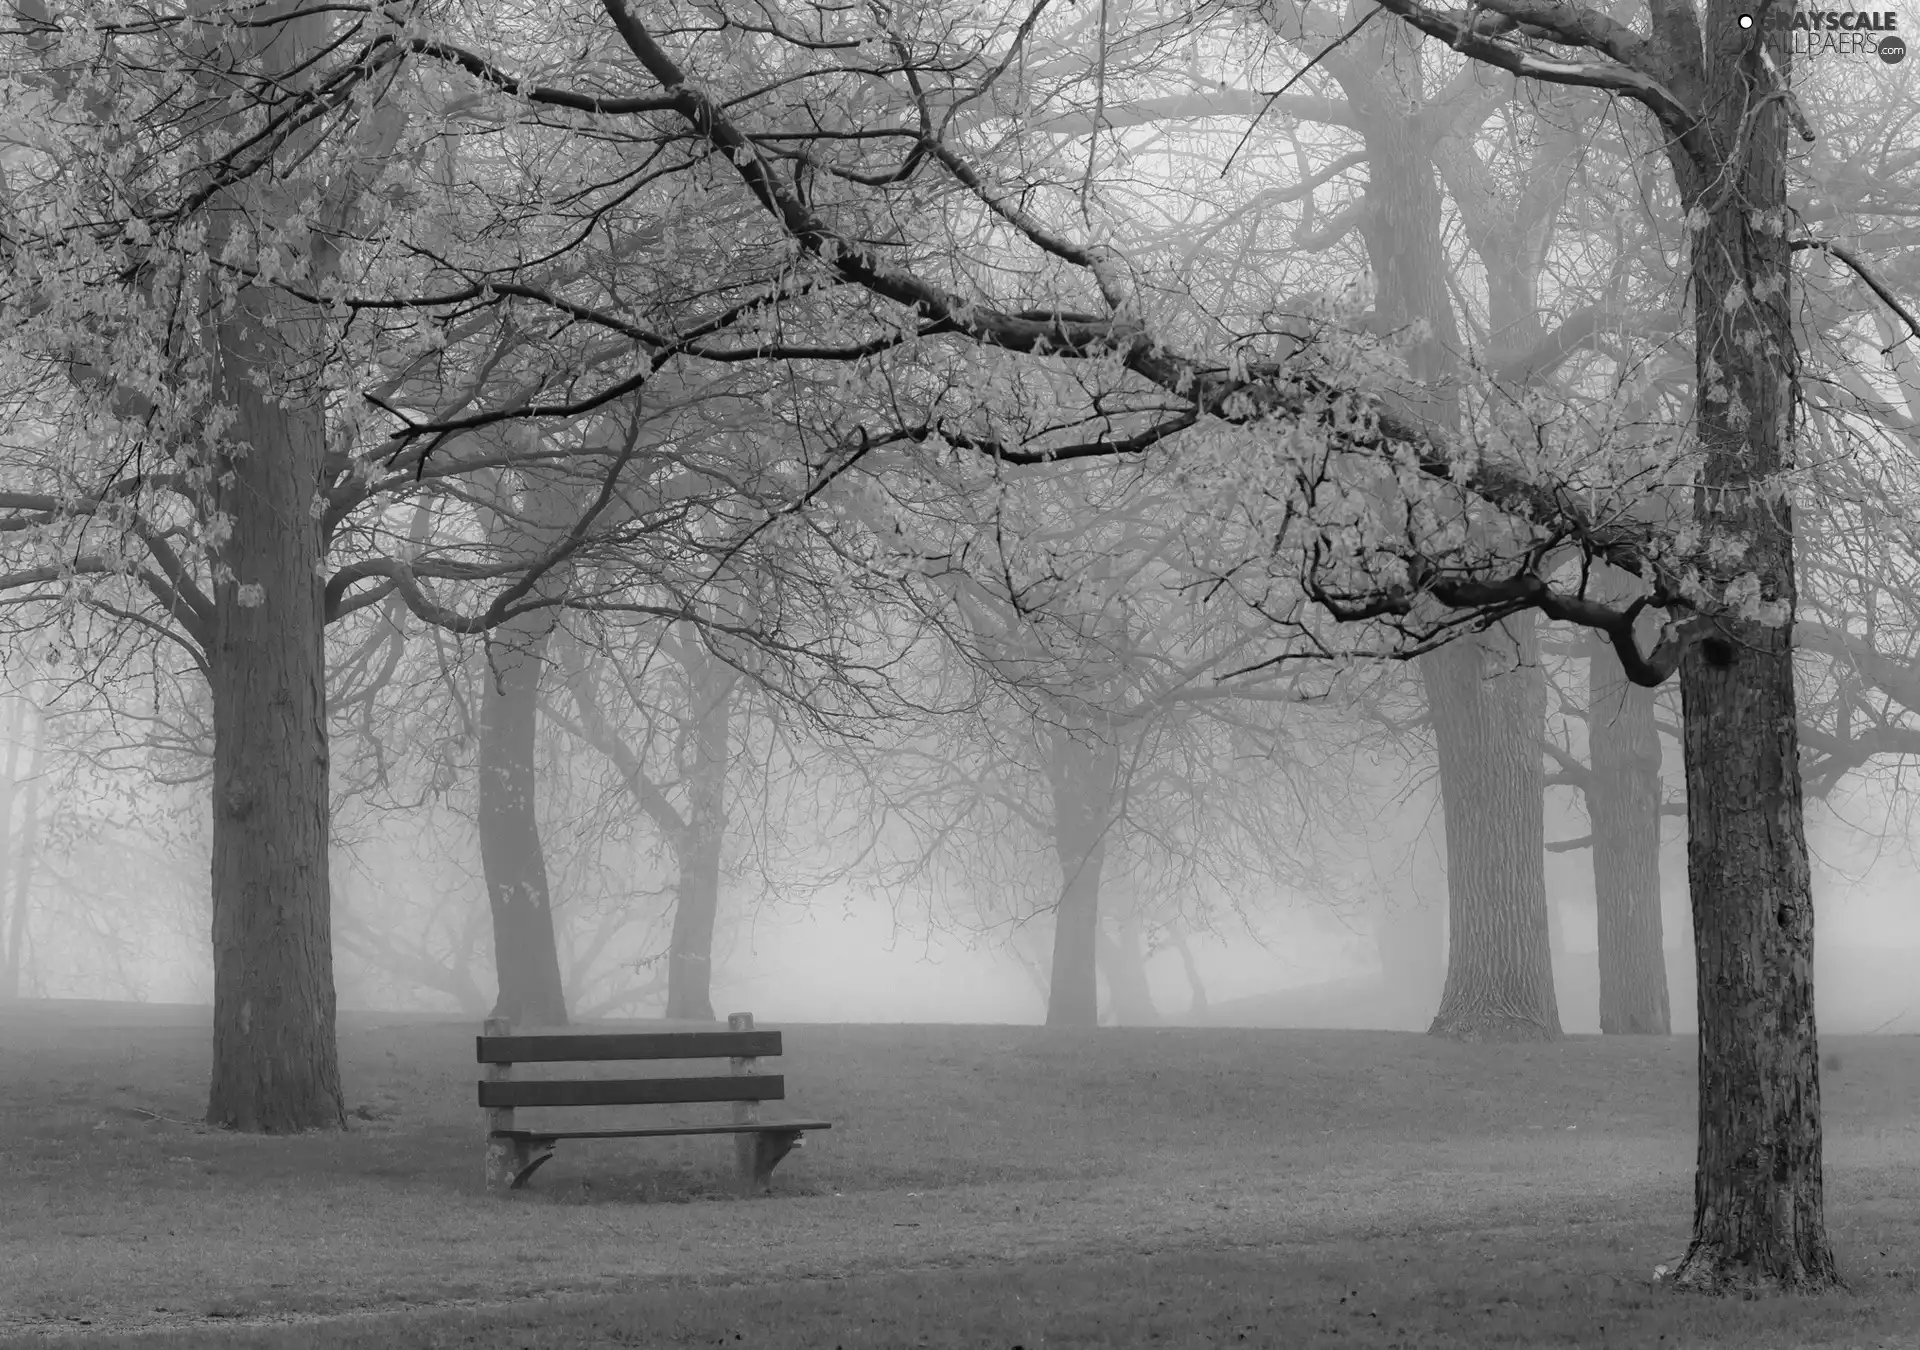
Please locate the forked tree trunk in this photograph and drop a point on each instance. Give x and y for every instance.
(525, 955)
(1081, 775)
(1489, 699)
(700, 841)
(696, 829)
(1499, 980)
(1192, 969)
(275, 1064)
(1623, 802)
(1124, 963)
(1759, 1192)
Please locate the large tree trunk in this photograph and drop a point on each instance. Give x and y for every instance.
(710, 685)
(275, 1061)
(525, 956)
(1623, 802)
(1081, 771)
(1489, 700)
(1758, 1188)
(275, 1065)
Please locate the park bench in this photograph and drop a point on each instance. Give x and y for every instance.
(514, 1155)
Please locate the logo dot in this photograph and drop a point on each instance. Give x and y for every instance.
(1746, 20)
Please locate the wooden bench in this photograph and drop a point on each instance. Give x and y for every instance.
(514, 1155)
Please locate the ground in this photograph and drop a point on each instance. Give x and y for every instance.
(982, 1186)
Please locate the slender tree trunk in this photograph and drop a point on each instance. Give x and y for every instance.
(710, 685)
(1759, 1193)
(15, 915)
(25, 860)
(1489, 699)
(1192, 969)
(1623, 802)
(1130, 996)
(690, 951)
(275, 1065)
(525, 956)
(1030, 967)
(696, 835)
(1081, 773)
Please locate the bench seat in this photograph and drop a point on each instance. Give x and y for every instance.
(772, 1126)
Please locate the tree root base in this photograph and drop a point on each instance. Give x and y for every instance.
(1705, 1270)
(1481, 1029)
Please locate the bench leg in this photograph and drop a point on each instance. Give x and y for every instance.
(769, 1147)
(502, 1162)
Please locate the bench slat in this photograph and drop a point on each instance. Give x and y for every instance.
(623, 1045)
(771, 1087)
(773, 1125)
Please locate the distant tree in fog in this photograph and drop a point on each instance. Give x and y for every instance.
(665, 718)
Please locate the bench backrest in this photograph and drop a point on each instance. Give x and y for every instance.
(747, 1087)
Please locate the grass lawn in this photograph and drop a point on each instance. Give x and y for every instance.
(981, 1187)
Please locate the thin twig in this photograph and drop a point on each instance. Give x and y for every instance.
(1365, 19)
(1889, 1022)
(1865, 273)
(155, 1115)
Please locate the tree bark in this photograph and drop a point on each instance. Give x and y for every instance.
(1758, 1185)
(1623, 802)
(1489, 701)
(275, 1063)
(710, 685)
(1759, 1192)
(1081, 771)
(526, 957)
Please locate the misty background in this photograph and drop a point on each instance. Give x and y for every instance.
(104, 881)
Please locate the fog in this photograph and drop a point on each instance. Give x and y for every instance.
(116, 909)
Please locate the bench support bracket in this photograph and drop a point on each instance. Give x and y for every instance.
(528, 1154)
(769, 1147)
